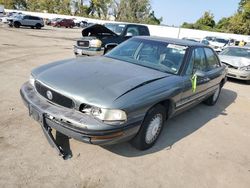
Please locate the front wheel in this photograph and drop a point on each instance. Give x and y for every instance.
(150, 128)
(213, 99)
(17, 24)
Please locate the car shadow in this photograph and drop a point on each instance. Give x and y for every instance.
(181, 126)
(237, 81)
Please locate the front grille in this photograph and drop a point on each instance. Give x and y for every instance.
(56, 98)
(83, 43)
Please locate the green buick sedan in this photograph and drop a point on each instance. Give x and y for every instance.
(127, 94)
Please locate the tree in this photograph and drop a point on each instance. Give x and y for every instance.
(242, 3)
(48, 6)
(99, 8)
(138, 11)
(206, 20)
(33, 5)
(223, 24)
(14, 4)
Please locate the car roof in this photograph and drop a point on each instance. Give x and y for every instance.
(171, 40)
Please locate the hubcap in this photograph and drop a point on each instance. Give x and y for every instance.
(154, 128)
(216, 94)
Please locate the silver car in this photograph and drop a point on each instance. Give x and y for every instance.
(238, 61)
(27, 21)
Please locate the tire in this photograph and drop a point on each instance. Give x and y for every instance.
(38, 26)
(32, 27)
(248, 82)
(214, 98)
(150, 129)
(17, 24)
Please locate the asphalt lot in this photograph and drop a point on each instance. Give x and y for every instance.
(203, 147)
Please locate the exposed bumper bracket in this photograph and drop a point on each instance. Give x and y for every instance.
(52, 141)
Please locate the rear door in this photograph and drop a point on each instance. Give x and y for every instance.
(25, 20)
(214, 69)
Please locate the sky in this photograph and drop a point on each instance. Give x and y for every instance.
(175, 12)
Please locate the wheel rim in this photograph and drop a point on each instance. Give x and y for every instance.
(154, 128)
(216, 94)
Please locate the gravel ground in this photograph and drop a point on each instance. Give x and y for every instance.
(203, 147)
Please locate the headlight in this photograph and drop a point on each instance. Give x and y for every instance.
(109, 116)
(245, 68)
(96, 43)
(32, 80)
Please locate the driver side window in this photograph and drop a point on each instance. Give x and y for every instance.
(197, 61)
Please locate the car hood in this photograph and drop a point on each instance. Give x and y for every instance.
(217, 44)
(95, 80)
(96, 30)
(235, 61)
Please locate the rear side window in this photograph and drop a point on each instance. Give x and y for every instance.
(212, 60)
(143, 30)
(133, 30)
(32, 18)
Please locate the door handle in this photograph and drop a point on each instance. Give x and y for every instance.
(206, 79)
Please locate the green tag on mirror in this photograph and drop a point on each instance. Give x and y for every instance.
(194, 82)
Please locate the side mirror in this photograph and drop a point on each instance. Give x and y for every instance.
(129, 34)
(200, 73)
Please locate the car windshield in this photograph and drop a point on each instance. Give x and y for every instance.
(238, 52)
(221, 40)
(116, 28)
(162, 56)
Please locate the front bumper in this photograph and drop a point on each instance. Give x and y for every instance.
(73, 123)
(238, 74)
(88, 51)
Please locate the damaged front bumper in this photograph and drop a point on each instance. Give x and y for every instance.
(73, 123)
(79, 51)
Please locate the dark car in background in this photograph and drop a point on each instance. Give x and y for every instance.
(127, 94)
(68, 23)
(99, 39)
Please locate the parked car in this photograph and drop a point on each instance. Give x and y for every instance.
(191, 39)
(127, 94)
(82, 24)
(52, 21)
(68, 23)
(99, 39)
(238, 61)
(27, 20)
(217, 43)
(9, 17)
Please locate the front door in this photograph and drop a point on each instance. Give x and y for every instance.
(189, 95)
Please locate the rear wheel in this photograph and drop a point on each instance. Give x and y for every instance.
(150, 128)
(213, 99)
(17, 24)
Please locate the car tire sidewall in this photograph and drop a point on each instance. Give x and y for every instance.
(38, 26)
(211, 101)
(139, 141)
(17, 24)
